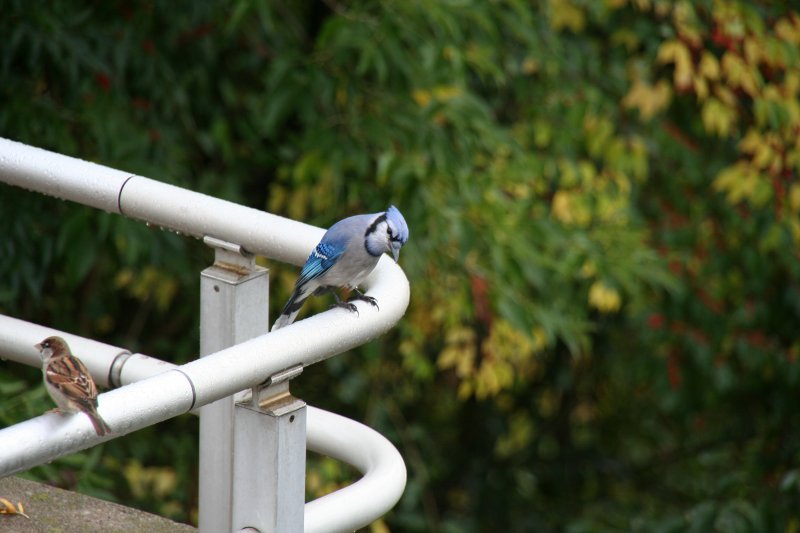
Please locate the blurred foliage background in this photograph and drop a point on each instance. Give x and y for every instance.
(605, 219)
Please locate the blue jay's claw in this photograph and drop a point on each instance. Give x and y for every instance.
(363, 297)
(347, 305)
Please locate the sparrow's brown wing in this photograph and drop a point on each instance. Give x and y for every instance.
(70, 376)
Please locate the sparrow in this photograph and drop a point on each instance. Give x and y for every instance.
(69, 383)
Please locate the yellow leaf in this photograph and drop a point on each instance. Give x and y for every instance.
(771, 93)
(709, 66)
(763, 156)
(421, 97)
(725, 95)
(568, 174)
(588, 270)
(530, 66)
(648, 99)
(753, 51)
(492, 377)
(743, 182)
(561, 206)
(465, 390)
(662, 7)
(604, 298)
(123, 278)
(519, 436)
(792, 107)
(717, 117)
(379, 526)
(587, 171)
(341, 96)
(794, 227)
(791, 84)
(740, 74)
(751, 141)
(677, 53)
(599, 131)
(788, 32)
(627, 38)
(154, 481)
(543, 133)
(686, 22)
(794, 198)
(459, 352)
(771, 240)
(638, 163)
(539, 339)
(507, 343)
(564, 14)
(701, 88)
(729, 176)
(444, 93)
(568, 208)
(7, 507)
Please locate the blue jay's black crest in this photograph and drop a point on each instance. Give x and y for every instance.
(345, 256)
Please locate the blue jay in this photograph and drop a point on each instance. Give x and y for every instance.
(345, 256)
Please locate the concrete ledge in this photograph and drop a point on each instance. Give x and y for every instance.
(53, 510)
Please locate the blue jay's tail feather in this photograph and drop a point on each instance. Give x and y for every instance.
(292, 307)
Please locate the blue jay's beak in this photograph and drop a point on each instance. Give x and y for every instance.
(395, 252)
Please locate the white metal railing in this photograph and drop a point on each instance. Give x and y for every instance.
(152, 391)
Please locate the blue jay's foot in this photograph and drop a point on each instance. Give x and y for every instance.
(361, 296)
(346, 305)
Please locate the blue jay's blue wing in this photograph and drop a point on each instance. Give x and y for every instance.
(320, 261)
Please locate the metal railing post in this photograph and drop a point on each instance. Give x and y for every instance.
(233, 309)
(270, 458)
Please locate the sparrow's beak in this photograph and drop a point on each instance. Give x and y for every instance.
(38, 346)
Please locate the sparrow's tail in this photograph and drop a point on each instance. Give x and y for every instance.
(100, 426)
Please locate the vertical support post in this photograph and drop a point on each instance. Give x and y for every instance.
(233, 309)
(270, 459)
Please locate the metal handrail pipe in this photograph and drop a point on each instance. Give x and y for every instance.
(162, 396)
(41, 439)
(210, 378)
(156, 203)
(360, 503)
(329, 434)
(199, 215)
(61, 176)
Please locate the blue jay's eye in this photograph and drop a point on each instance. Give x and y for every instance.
(392, 236)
